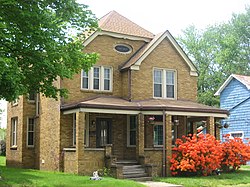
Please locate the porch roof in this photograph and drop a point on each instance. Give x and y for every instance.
(103, 104)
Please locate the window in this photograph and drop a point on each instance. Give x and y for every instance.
(14, 132)
(236, 134)
(107, 79)
(164, 83)
(123, 48)
(30, 132)
(74, 129)
(97, 78)
(157, 83)
(158, 135)
(170, 84)
(85, 80)
(32, 96)
(132, 123)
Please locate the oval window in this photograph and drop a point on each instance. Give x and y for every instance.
(123, 48)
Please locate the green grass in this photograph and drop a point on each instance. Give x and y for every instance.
(240, 178)
(31, 178)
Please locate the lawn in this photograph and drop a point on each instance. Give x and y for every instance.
(31, 178)
(240, 178)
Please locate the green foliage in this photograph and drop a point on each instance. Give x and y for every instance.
(35, 178)
(217, 52)
(37, 47)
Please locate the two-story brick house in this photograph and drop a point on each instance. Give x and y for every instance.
(132, 104)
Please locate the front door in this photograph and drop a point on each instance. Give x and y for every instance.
(103, 132)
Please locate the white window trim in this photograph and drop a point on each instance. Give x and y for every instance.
(14, 141)
(155, 124)
(163, 84)
(128, 131)
(30, 131)
(234, 132)
(101, 79)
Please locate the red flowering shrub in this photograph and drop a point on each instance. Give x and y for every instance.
(197, 155)
(235, 154)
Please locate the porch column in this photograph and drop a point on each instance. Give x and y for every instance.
(140, 137)
(168, 139)
(80, 125)
(210, 125)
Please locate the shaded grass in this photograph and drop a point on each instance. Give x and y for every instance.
(30, 178)
(240, 178)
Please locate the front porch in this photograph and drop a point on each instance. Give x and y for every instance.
(98, 140)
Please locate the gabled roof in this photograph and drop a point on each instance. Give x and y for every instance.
(137, 59)
(114, 22)
(115, 25)
(245, 80)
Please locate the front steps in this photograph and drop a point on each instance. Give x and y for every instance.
(133, 170)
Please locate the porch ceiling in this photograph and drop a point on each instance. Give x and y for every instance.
(109, 104)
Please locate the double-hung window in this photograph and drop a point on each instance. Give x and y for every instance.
(98, 78)
(158, 134)
(13, 132)
(164, 83)
(30, 132)
(131, 139)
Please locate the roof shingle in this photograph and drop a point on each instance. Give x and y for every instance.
(114, 22)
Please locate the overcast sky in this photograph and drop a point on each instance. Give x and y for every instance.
(160, 15)
(173, 15)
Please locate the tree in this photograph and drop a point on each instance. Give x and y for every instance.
(217, 52)
(37, 47)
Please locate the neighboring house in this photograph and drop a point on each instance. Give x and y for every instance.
(235, 97)
(129, 108)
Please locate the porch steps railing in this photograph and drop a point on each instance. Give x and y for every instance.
(133, 170)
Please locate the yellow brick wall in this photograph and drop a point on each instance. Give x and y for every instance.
(104, 46)
(14, 156)
(164, 56)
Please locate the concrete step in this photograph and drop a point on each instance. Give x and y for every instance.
(132, 167)
(141, 179)
(142, 170)
(126, 162)
(135, 175)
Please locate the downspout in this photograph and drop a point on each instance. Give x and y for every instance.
(164, 145)
(129, 85)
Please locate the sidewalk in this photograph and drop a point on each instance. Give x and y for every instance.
(159, 184)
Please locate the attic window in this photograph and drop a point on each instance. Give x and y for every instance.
(123, 48)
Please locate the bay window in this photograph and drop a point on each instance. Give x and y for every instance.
(98, 78)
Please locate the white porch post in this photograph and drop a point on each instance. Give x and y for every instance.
(80, 126)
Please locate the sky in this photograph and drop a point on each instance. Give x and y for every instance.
(173, 15)
(160, 15)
